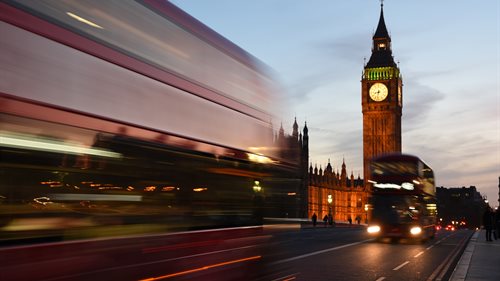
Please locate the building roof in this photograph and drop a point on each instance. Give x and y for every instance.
(381, 57)
(381, 31)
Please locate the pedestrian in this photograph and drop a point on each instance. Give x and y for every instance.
(349, 219)
(330, 219)
(325, 219)
(488, 223)
(358, 219)
(314, 219)
(496, 223)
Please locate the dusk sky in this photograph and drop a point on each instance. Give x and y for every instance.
(448, 52)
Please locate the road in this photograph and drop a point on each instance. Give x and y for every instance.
(277, 252)
(348, 254)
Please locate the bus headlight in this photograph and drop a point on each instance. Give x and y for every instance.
(373, 229)
(415, 230)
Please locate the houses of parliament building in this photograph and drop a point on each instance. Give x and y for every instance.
(328, 191)
(332, 192)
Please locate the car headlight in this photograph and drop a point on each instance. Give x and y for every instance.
(415, 230)
(373, 229)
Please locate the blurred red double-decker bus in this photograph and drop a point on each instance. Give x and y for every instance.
(126, 118)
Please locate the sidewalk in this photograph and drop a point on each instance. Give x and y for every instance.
(480, 260)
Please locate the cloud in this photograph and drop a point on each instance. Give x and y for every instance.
(418, 102)
(302, 87)
(335, 145)
(329, 61)
(460, 155)
(349, 48)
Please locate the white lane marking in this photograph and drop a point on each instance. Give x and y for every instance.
(428, 248)
(401, 265)
(380, 279)
(417, 255)
(321, 252)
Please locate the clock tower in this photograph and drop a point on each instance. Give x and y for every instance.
(381, 99)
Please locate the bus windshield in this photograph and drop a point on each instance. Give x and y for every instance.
(395, 209)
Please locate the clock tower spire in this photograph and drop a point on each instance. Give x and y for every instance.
(381, 49)
(381, 99)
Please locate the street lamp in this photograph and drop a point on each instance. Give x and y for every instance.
(256, 186)
(329, 200)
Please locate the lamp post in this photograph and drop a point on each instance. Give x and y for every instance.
(256, 186)
(258, 202)
(366, 213)
(329, 200)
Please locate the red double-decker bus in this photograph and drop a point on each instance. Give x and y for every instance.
(131, 118)
(403, 201)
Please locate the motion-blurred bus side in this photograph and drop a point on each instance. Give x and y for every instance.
(127, 118)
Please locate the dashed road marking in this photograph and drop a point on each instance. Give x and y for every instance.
(417, 255)
(320, 252)
(401, 265)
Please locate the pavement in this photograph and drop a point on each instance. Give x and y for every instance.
(479, 261)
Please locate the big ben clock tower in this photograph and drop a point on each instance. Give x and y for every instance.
(381, 99)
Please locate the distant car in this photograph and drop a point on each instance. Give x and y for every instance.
(438, 227)
(450, 227)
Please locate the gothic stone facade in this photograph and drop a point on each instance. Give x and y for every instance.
(348, 196)
(334, 193)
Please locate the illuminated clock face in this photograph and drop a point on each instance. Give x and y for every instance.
(378, 92)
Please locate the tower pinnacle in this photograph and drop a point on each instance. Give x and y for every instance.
(295, 132)
(381, 49)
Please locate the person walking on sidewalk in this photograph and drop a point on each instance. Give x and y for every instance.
(330, 220)
(496, 223)
(314, 219)
(488, 222)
